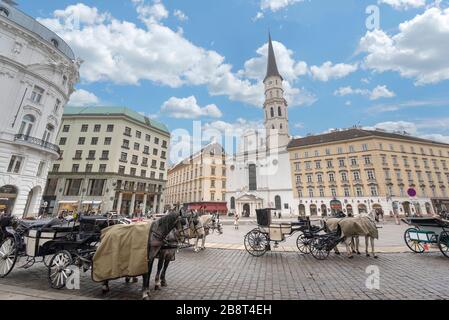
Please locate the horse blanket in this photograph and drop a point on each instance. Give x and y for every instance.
(352, 227)
(123, 252)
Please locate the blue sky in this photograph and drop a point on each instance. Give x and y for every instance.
(163, 57)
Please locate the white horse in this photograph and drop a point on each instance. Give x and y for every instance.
(353, 229)
(197, 228)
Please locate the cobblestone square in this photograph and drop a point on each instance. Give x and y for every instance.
(235, 275)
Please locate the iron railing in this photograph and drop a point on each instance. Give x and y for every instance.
(37, 142)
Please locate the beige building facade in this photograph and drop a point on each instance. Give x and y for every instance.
(199, 181)
(113, 159)
(358, 170)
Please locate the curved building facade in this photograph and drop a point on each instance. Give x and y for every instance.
(38, 71)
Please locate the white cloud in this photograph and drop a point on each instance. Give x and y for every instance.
(276, 5)
(375, 94)
(404, 4)
(408, 104)
(188, 108)
(415, 128)
(418, 51)
(81, 98)
(122, 53)
(328, 71)
(151, 13)
(256, 68)
(381, 92)
(291, 70)
(258, 16)
(180, 15)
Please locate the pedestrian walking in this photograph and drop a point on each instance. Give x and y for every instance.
(396, 217)
(236, 221)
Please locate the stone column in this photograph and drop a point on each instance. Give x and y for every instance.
(144, 207)
(119, 202)
(155, 203)
(133, 204)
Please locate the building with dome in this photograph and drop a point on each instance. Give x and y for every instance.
(38, 71)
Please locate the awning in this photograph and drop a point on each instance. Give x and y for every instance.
(93, 202)
(67, 202)
(211, 207)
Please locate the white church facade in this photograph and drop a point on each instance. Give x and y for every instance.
(259, 173)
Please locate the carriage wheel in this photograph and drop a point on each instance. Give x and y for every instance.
(8, 256)
(415, 246)
(256, 243)
(318, 249)
(443, 243)
(303, 244)
(59, 271)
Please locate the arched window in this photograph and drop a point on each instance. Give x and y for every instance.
(48, 133)
(279, 112)
(232, 203)
(272, 112)
(55, 42)
(278, 202)
(27, 125)
(252, 174)
(4, 11)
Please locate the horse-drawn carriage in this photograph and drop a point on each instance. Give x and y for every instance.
(425, 232)
(57, 243)
(258, 241)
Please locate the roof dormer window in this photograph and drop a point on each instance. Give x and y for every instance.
(55, 43)
(4, 11)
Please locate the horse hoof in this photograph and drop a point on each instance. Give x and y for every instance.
(351, 257)
(157, 288)
(368, 256)
(358, 253)
(376, 257)
(105, 291)
(135, 280)
(337, 253)
(127, 280)
(146, 298)
(164, 284)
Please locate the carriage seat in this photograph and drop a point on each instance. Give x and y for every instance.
(38, 224)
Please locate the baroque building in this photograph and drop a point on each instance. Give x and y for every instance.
(112, 159)
(38, 71)
(199, 182)
(358, 170)
(257, 173)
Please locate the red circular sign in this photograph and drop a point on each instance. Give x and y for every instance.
(411, 192)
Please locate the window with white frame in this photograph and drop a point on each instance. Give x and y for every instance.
(27, 125)
(374, 192)
(359, 191)
(15, 164)
(40, 169)
(36, 94)
(57, 106)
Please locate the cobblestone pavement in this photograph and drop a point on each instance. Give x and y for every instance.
(234, 274)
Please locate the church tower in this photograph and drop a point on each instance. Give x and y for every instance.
(275, 106)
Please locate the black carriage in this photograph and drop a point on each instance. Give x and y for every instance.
(321, 244)
(425, 232)
(258, 241)
(57, 243)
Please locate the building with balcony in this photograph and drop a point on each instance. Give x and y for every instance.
(112, 159)
(38, 71)
(359, 170)
(199, 182)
